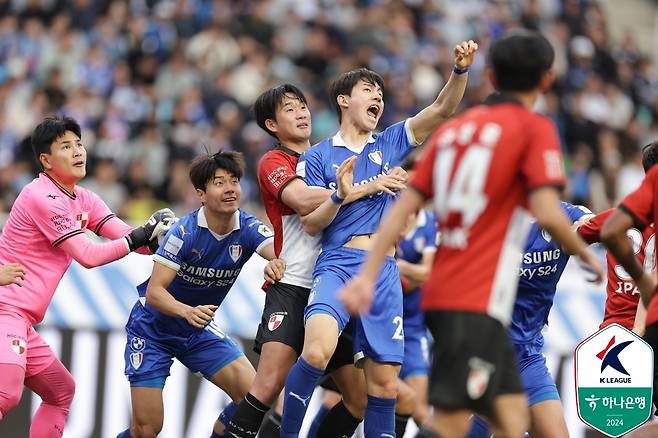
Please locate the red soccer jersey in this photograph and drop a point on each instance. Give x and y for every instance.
(621, 294)
(479, 168)
(276, 169)
(642, 206)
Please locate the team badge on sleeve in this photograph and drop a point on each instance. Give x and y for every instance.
(235, 251)
(173, 245)
(275, 320)
(19, 346)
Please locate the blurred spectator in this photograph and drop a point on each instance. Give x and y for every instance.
(153, 83)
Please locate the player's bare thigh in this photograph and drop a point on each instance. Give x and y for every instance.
(235, 379)
(147, 412)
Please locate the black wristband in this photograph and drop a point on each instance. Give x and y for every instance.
(459, 71)
(337, 199)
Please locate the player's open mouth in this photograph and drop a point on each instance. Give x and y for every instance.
(232, 199)
(373, 111)
(302, 126)
(79, 164)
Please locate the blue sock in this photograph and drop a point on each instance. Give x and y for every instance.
(300, 384)
(479, 428)
(125, 434)
(224, 417)
(379, 421)
(313, 430)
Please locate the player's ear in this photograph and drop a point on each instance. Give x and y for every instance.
(271, 125)
(44, 159)
(201, 194)
(343, 101)
(546, 81)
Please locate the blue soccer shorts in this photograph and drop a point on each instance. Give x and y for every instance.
(536, 380)
(416, 352)
(150, 350)
(379, 334)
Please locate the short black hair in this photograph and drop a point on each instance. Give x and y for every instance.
(346, 82)
(268, 102)
(649, 155)
(520, 59)
(49, 130)
(203, 168)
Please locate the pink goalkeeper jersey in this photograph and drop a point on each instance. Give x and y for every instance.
(43, 216)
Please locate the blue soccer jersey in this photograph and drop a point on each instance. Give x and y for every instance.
(207, 264)
(541, 267)
(419, 241)
(382, 152)
(411, 249)
(379, 334)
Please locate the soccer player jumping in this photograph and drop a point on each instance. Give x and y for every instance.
(481, 169)
(44, 233)
(347, 236)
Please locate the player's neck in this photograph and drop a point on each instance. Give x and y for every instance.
(219, 223)
(352, 135)
(527, 99)
(299, 146)
(68, 184)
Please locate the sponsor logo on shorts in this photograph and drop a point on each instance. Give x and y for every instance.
(275, 320)
(136, 359)
(478, 377)
(235, 251)
(137, 344)
(18, 345)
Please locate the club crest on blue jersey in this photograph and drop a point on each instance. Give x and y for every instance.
(136, 359)
(376, 157)
(235, 251)
(137, 344)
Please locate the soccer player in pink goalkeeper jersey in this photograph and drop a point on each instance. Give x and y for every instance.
(44, 233)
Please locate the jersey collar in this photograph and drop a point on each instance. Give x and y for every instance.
(337, 140)
(287, 150)
(62, 189)
(203, 222)
(496, 98)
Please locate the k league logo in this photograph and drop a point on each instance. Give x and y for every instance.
(614, 380)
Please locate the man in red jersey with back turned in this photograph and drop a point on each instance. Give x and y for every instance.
(482, 168)
(623, 305)
(638, 210)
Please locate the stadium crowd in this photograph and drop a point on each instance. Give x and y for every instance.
(153, 83)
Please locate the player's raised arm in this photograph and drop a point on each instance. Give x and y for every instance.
(447, 102)
(90, 254)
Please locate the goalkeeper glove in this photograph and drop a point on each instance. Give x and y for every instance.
(143, 235)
